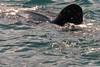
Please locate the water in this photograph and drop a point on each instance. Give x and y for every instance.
(24, 44)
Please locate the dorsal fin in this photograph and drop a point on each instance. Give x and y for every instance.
(72, 14)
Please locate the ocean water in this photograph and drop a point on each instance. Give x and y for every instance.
(24, 44)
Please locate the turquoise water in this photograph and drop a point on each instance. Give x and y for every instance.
(24, 44)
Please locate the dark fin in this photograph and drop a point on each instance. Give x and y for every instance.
(72, 14)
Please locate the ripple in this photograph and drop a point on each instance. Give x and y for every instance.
(27, 45)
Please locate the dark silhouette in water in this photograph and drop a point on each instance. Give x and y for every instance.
(71, 14)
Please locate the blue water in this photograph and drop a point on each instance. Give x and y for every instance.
(24, 44)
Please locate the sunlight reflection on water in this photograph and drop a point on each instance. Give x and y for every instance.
(25, 45)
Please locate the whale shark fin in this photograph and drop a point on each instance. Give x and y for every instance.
(72, 13)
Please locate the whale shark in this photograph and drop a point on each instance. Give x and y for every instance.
(70, 14)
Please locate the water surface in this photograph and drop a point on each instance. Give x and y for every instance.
(24, 44)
